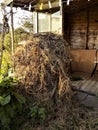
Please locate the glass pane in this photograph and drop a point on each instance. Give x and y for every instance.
(44, 22)
(57, 22)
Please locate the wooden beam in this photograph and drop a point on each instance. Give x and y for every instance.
(46, 6)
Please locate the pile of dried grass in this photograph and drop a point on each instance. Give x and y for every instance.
(42, 64)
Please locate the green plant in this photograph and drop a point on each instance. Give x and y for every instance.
(38, 114)
(6, 63)
(11, 103)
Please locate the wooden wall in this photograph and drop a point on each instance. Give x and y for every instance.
(81, 28)
(82, 60)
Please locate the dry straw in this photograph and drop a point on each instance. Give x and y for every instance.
(42, 65)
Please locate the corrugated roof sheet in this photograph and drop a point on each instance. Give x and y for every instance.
(74, 5)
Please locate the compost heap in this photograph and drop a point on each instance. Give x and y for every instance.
(42, 65)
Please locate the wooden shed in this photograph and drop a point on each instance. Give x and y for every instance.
(79, 26)
(80, 29)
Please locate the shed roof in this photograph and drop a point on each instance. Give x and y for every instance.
(37, 5)
(43, 5)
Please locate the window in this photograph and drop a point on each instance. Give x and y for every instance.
(45, 22)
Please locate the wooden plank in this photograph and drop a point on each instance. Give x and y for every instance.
(86, 84)
(91, 86)
(95, 88)
(76, 83)
(81, 84)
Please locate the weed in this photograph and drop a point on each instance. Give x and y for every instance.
(10, 103)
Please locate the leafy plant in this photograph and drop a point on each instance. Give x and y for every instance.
(11, 103)
(38, 114)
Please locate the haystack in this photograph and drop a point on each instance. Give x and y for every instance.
(42, 65)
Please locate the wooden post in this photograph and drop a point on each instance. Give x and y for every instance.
(50, 23)
(65, 25)
(87, 30)
(12, 29)
(62, 13)
(12, 36)
(37, 22)
(2, 42)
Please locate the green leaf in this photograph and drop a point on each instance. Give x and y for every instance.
(4, 118)
(20, 98)
(5, 99)
(42, 114)
(33, 112)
